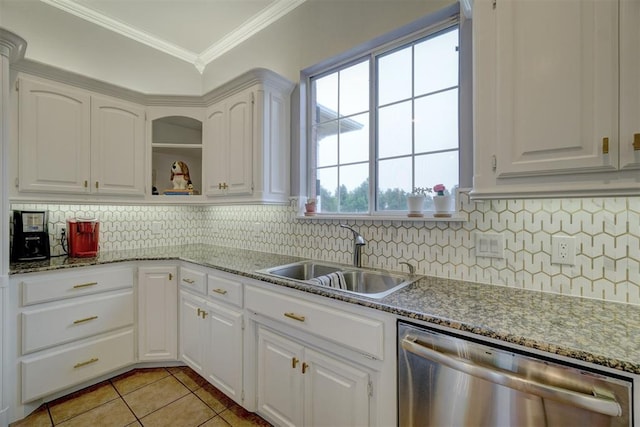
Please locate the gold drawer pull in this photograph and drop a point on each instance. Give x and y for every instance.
(86, 319)
(305, 366)
(88, 362)
(219, 291)
(84, 285)
(189, 281)
(294, 316)
(294, 362)
(605, 145)
(636, 142)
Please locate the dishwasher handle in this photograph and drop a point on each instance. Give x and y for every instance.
(597, 402)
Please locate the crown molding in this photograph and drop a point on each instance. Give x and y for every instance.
(12, 45)
(269, 15)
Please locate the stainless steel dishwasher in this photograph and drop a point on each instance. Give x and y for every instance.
(444, 380)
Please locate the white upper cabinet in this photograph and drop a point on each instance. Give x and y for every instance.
(246, 140)
(54, 133)
(548, 117)
(73, 141)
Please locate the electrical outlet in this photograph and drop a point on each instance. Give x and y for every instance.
(563, 250)
(258, 229)
(156, 227)
(490, 245)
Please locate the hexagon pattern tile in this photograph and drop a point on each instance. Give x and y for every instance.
(606, 230)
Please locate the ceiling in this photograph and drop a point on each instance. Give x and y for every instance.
(195, 31)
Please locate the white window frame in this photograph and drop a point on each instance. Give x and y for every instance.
(421, 28)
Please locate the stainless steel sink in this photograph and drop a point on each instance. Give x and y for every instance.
(369, 283)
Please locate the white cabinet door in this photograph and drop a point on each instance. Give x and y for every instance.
(280, 386)
(117, 147)
(557, 86)
(224, 354)
(336, 394)
(53, 137)
(193, 331)
(157, 313)
(229, 137)
(629, 84)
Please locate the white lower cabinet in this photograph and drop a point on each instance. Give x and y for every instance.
(298, 385)
(211, 333)
(157, 313)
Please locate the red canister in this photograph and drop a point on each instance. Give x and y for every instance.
(83, 237)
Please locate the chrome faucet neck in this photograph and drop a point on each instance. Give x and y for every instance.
(358, 243)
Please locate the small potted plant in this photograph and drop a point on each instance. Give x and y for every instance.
(441, 201)
(310, 206)
(415, 201)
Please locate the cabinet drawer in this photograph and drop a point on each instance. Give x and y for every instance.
(42, 328)
(354, 331)
(193, 279)
(61, 285)
(58, 370)
(224, 289)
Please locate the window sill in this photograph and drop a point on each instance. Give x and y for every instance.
(428, 217)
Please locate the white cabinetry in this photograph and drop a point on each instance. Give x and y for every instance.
(246, 134)
(318, 364)
(72, 327)
(157, 313)
(300, 386)
(74, 141)
(211, 328)
(548, 119)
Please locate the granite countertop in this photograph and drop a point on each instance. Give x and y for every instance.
(599, 332)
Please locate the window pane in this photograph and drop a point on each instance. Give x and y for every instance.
(394, 76)
(325, 90)
(394, 182)
(436, 123)
(436, 63)
(440, 168)
(394, 130)
(354, 188)
(327, 186)
(354, 139)
(327, 147)
(354, 89)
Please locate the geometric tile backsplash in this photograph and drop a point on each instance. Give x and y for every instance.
(606, 230)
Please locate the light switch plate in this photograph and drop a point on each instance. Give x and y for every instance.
(490, 245)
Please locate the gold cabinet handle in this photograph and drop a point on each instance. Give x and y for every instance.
(189, 281)
(294, 362)
(97, 185)
(86, 319)
(170, 276)
(84, 285)
(88, 362)
(636, 142)
(605, 145)
(305, 366)
(86, 183)
(199, 313)
(204, 314)
(219, 291)
(294, 316)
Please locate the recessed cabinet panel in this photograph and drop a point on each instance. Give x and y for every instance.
(53, 138)
(629, 85)
(557, 87)
(241, 143)
(117, 154)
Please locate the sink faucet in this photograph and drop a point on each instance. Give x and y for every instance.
(358, 243)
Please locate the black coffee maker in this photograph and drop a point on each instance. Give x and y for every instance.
(30, 236)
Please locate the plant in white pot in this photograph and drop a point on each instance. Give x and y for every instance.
(441, 201)
(415, 201)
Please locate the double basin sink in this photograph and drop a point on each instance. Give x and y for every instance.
(369, 283)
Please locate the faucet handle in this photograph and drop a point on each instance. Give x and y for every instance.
(412, 268)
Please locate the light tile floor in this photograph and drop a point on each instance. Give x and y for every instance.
(176, 397)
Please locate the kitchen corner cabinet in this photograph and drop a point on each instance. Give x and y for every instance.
(157, 314)
(557, 106)
(300, 386)
(211, 328)
(246, 140)
(77, 142)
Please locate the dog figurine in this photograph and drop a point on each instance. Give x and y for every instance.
(180, 175)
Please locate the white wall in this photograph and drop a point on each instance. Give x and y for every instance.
(64, 41)
(316, 30)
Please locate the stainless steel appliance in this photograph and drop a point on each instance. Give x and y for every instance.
(444, 380)
(30, 236)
